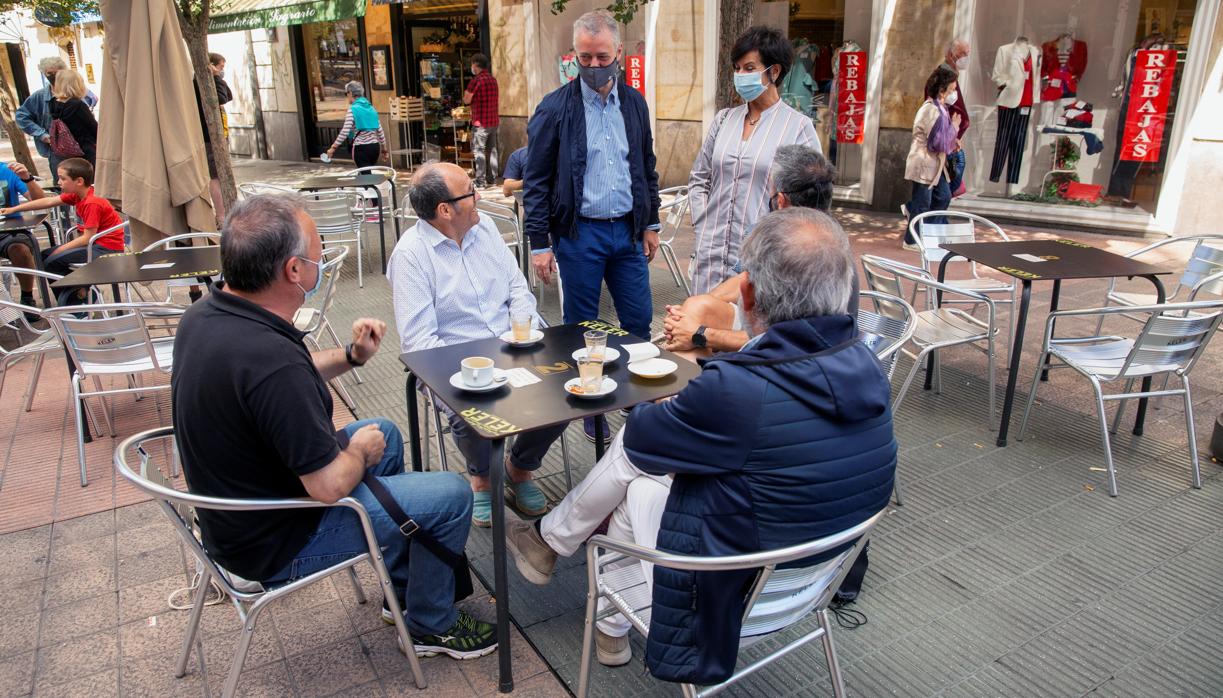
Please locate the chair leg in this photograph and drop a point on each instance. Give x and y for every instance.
(360, 265)
(588, 632)
(244, 644)
(991, 373)
(1100, 323)
(1193, 440)
(357, 591)
(33, 384)
(1129, 385)
(896, 486)
(830, 653)
(343, 393)
(918, 362)
(565, 461)
(441, 440)
(1027, 409)
(193, 623)
(79, 404)
(1108, 451)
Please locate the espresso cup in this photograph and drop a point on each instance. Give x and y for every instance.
(477, 371)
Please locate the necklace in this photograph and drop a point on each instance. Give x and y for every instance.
(753, 122)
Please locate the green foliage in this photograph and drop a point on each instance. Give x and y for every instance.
(60, 10)
(622, 10)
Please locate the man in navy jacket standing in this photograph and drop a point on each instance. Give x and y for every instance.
(807, 452)
(590, 188)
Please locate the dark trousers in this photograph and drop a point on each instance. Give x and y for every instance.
(366, 155)
(527, 453)
(606, 250)
(1009, 143)
(927, 198)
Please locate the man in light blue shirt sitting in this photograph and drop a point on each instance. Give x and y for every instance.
(453, 280)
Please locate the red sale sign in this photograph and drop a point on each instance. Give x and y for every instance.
(851, 96)
(1147, 117)
(634, 73)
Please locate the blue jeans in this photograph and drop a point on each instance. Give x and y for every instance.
(439, 502)
(925, 199)
(606, 250)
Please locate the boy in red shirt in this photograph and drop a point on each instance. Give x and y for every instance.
(95, 213)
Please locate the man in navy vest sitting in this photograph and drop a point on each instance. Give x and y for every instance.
(808, 451)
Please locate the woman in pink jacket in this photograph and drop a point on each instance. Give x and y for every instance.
(934, 131)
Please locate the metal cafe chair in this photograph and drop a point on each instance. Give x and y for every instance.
(671, 214)
(311, 318)
(938, 328)
(1172, 339)
(371, 211)
(1203, 274)
(339, 216)
(887, 328)
(248, 189)
(42, 343)
(962, 227)
(777, 600)
(168, 243)
(249, 598)
(113, 339)
(508, 225)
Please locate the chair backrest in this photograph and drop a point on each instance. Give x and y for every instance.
(12, 313)
(168, 242)
(1204, 272)
(672, 213)
(494, 207)
(1173, 337)
(507, 225)
(115, 334)
(247, 189)
(384, 188)
(101, 234)
(887, 328)
(332, 263)
(337, 213)
(958, 227)
(882, 276)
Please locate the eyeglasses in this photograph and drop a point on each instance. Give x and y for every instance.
(457, 199)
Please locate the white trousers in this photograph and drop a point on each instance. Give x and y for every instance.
(615, 487)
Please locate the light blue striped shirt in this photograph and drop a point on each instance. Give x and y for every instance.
(444, 294)
(607, 189)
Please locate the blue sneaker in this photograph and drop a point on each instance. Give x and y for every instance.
(588, 425)
(482, 509)
(527, 498)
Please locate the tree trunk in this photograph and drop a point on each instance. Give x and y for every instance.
(194, 26)
(734, 17)
(261, 138)
(8, 115)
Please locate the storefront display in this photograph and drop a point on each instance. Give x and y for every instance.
(1075, 80)
(334, 57)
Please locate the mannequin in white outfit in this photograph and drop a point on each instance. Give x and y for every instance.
(1017, 75)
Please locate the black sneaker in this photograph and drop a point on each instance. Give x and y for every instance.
(468, 638)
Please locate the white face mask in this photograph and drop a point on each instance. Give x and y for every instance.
(951, 98)
(962, 64)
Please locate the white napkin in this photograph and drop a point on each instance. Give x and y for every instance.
(640, 351)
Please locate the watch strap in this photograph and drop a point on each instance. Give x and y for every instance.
(349, 358)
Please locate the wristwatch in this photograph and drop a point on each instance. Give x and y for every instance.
(698, 338)
(348, 356)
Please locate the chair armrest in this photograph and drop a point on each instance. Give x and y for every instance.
(1119, 310)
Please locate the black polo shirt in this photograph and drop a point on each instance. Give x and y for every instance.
(251, 415)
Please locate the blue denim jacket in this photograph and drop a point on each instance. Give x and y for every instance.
(34, 117)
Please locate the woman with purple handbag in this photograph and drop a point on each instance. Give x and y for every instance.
(74, 130)
(934, 134)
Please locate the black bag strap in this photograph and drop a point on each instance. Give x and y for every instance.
(407, 526)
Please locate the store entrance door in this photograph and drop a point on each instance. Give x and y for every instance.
(329, 56)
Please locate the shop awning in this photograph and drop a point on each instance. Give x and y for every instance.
(236, 15)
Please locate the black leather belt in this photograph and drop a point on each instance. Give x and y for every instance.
(617, 219)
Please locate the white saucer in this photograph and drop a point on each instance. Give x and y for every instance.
(499, 379)
(653, 368)
(609, 387)
(508, 338)
(610, 354)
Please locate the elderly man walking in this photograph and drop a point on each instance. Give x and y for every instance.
(590, 187)
(34, 114)
(453, 280)
(807, 451)
(958, 52)
(253, 419)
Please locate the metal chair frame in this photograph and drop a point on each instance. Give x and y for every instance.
(1173, 338)
(256, 188)
(312, 318)
(339, 215)
(929, 247)
(672, 216)
(168, 242)
(45, 342)
(896, 328)
(1203, 273)
(117, 339)
(371, 212)
(178, 507)
(819, 583)
(508, 226)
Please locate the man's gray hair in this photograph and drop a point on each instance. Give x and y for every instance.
(355, 89)
(52, 63)
(429, 190)
(955, 44)
(595, 23)
(260, 234)
(799, 264)
(804, 175)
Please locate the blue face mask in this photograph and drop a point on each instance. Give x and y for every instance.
(750, 85)
(318, 280)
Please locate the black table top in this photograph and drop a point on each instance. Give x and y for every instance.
(187, 263)
(508, 410)
(1060, 259)
(368, 179)
(22, 221)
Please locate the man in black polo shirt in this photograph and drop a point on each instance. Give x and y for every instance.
(252, 416)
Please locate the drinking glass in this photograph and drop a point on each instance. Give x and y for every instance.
(596, 344)
(591, 373)
(521, 323)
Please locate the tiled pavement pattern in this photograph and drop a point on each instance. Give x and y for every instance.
(1007, 572)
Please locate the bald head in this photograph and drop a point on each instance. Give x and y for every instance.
(432, 185)
(799, 265)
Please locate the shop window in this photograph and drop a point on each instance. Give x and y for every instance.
(1074, 105)
(820, 31)
(333, 59)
